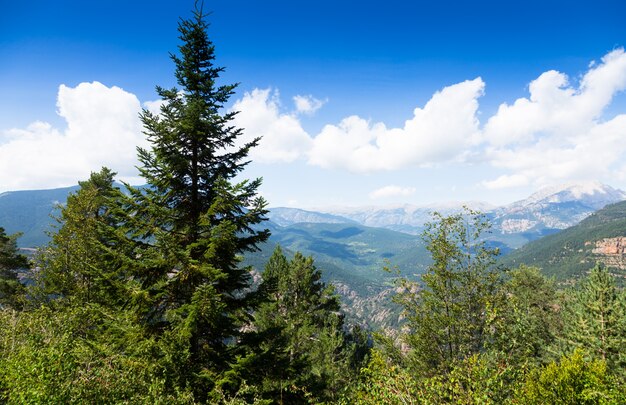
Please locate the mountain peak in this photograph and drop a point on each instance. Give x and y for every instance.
(593, 193)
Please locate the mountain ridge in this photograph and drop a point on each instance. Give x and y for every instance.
(572, 252)
(544, 212)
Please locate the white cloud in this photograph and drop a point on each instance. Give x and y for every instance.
(103, 129)
(441, 131)
(559, 133)
(391, 192)
(282, 136)
(506, 181)
(307, 104)
(557, 109)
(154, 106)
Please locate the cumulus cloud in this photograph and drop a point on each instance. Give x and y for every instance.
(391, 192)
(506, 181)
(307, 104)
(154, 106)
(556, 108)
(103, 129)
(441, 131)
(558, 133)
(282, 137)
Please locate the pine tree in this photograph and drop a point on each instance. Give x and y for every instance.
(192, 222)
(299, 322)
(82, 262)
(11, 289)
(594, 319)
(449, 313)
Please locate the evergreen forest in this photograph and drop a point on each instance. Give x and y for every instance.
(142, 295)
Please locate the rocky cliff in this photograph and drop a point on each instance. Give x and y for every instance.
(611, 251)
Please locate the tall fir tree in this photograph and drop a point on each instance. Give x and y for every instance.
(192, 221)
(11, 289)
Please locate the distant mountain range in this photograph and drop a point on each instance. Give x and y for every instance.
(30, 212)
(543, 213)
(352, 245)
(551, 210)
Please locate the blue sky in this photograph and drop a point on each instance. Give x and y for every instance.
(360, 103)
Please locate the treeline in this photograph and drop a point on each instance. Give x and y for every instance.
(476, 333)
(140, 297)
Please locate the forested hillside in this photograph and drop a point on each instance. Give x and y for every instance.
(572, 252)
(149, 295)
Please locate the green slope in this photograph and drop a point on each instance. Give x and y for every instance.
(30, 212)
(353, 258)
(350, 252)
(568, 254)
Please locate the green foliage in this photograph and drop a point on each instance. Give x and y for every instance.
(568, 254)
(305, 354)
(477, 379)
(11, 290)
(383, 382)
(574, 381)
(449, 314)
(595, 319)
(528, 319)
(83, 259)
(79, 354)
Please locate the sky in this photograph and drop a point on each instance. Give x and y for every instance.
(358, 103)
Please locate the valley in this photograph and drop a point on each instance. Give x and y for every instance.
(353, 246)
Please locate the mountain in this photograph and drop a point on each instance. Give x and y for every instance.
(30, 212)
(543, 213)
(550, 210)
(284, 216)
(402, 218)
(353, 257)
(601, 237)
(352, 245)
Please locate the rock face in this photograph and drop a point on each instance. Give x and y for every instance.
(611, 252)
(611, 247)
(373, 310)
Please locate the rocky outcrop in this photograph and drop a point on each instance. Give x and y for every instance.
(611, 252)
(374, 309)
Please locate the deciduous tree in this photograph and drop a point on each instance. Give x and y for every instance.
(449, 312)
